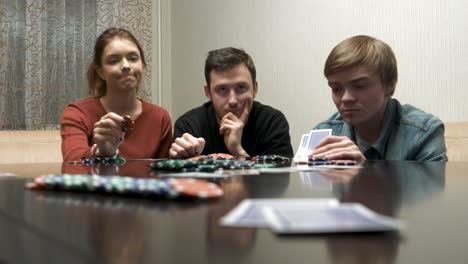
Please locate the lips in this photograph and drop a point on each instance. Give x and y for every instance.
(349, 111)
(124, 77)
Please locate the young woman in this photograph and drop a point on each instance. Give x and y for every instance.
(112, 120)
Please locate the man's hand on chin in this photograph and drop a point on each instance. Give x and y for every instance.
(231, 127)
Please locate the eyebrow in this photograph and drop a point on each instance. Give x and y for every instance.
(360, 79)
(232, 84)
(119, 55)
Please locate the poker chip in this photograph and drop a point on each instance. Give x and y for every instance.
(271, 159)
(129, 122)
(197, 158)
(37, 183)
(104, 161)
(159, 189)
(344, 162)
(263, 165)
(207, 167)
(220, 156)
(319, 163)
(317, 159)
(274, 161)
(174, 164)
(192, 188)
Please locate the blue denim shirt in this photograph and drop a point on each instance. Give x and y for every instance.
(407, 134)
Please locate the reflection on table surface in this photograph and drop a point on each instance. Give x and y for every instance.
(50, 226)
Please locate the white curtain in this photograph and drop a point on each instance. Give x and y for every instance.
(45, 48)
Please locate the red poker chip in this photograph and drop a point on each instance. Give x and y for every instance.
(32, 185)
(197, 158)
(129, 122)
(37, 184)
(221, 156)
(196, 188)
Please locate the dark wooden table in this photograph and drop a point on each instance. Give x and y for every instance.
(52, 227)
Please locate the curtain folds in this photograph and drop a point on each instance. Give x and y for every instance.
(45, 48)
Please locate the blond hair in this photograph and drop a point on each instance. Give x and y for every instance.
(367, 51)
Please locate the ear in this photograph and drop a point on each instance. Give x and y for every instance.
(255, 89)
(207, 92)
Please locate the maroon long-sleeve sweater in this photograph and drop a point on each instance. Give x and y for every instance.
(150, 138)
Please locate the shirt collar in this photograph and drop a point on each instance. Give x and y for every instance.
(380, 145)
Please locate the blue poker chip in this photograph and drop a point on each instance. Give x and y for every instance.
(165, 189)
(319, 163)
(345, 162)
(157, 188)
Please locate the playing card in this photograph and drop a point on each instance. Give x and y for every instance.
(308, 143)
(334, 218)
(249, 213)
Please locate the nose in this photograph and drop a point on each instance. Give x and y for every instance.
(125, 65)
(232, 98)
(347, 96)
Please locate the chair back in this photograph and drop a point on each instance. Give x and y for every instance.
(30, 146)
(456, 140)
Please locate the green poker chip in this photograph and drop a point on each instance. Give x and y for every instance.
(174, 165)
(263, 165)
(207, 168)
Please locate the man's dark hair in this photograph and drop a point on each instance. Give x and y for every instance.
(227, 58)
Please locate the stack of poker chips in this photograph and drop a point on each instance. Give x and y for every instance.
(323, 161)
(211, 163)
(104, 161)
(152, 188)
(271, 161)
(205, 165)
(212, 156)
(270, 158)
(175, 165)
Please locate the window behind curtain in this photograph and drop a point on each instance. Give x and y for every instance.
(45, 48)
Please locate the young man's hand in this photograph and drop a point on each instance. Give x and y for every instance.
(186, 146)
(338, 148)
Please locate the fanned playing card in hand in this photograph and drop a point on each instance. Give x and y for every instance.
(308, 143)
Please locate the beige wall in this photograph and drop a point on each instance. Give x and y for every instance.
(289, 42)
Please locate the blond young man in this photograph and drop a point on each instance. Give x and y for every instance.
(370, 124)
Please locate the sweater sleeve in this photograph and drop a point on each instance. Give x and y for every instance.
(75, 131)
(166, 137)
(182, 126)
